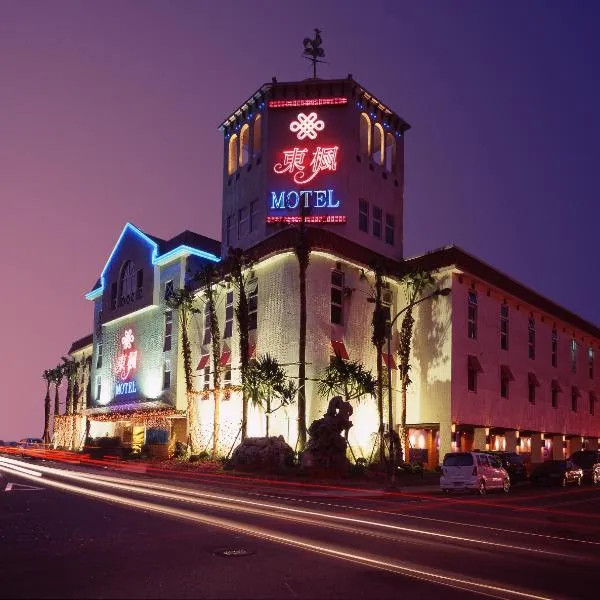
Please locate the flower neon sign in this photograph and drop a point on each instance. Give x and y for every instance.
(126, 361)
(307, 126)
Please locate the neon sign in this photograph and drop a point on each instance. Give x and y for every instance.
(307, 126)
(307, 102)
(126, 364)
(323, 159)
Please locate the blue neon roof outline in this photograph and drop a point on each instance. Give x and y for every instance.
(156, 259)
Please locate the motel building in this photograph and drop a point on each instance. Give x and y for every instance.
(494, 364)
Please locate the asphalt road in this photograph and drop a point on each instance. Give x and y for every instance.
(95, 533)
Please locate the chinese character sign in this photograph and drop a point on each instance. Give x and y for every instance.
(126, 360)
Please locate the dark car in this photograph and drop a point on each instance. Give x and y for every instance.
(589, 462)
(557, 472)
(513, 464)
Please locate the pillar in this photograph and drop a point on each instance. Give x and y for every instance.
(557, 447)
(575, 444)
(446, 439)
(512, 440)
(480, 438)
(592, 443)
(537, 443)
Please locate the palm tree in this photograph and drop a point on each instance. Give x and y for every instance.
(57, 377)
(347, 378)
(379, 337)
(182, 301)
(208, 278)
(266, 381)
(415, 286)
(238, 263)
(47, 375)
(69, 370)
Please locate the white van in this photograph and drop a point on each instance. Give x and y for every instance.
(476, 471)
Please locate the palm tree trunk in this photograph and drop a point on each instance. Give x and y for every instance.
(46, 435)
(380, 403)
(268, 413)
(216, 420)
(56, 398)
(303, 264)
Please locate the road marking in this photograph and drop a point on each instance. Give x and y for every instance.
(20, 487)
(8, 487)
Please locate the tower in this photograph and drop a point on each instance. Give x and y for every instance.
(326, 152)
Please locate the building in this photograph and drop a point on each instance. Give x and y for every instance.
(322, 161)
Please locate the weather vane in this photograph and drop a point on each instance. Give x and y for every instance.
(313, 50)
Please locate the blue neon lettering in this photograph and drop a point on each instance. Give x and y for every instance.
(320, 201)
(277, 201)
(289, 203)
(330, 201)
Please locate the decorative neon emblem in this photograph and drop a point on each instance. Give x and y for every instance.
(324, 158)
(307, 126)
(126, 361)
(307, 102)
(309, 219)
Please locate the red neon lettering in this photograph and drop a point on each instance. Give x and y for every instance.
(323, 159)
(307, 102)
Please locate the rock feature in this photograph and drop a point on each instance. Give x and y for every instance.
(262, 454)
(326, 448)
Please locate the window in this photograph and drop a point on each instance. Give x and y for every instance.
(98, 388)
(232, 162)
(253, 215)
(591, 362)
(377, 222)
(229, 231)
(592, 401)
(252, 304)
(99, 357)
(243, 222)
(227, 377)
(554, 348)
(378, 148)
(472, 316)
(390, 152)
(389, 229)
(504, 327)
(532, 383)
(363, 215)
(128, 283)
(574, 396)
(167, 374)
(574, 356)
(168, 330)
(206, 385)
(169, 290)
(113, 296)
(506, 377)
(257, 141)
(365, 134)
(244, 145)
(471, 377)
(207, 335)
(140, 283)
(228, 315)
(337, 295)
(531, 338)
(554, 400)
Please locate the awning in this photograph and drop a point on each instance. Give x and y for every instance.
(576, 391)
(340, 349)
(474, 364)
(533, 380)
(506, 372)
(203, 362)
(225, 358)
(390, 363)
(556, 385)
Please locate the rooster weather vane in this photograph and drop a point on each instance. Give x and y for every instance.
(313, 50)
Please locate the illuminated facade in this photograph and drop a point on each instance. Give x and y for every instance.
(328, 155)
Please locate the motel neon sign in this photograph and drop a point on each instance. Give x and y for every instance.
(126, 365)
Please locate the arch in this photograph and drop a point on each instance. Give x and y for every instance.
(233, 154)
(244, 145)
(378, 144)
(127, 283)
(257, 134)
(390, 153)
(365, 134)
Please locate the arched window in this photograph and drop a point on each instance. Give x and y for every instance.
(127, 283)
(390, 153)
(257, 142)
(233, 154)
(378, 150)
(365, 134)
(245, 145)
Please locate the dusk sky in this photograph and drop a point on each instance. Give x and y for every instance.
(109, 113)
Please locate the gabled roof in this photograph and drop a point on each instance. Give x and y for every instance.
(185, 243)
(81, 343)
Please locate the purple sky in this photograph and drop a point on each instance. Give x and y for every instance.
(109, 110)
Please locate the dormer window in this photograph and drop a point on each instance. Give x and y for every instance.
(128, 283)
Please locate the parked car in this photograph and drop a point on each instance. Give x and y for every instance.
(513, 465)
(478, 471)
(31, 443)
(557, 472)
(589, 462)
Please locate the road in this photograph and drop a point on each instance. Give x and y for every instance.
(96, 533)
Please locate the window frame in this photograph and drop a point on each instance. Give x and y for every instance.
(229, 311)
(504, 326)
(363, 215)
(531, 338)
(472, 310)
(390, 229)
(168, 331)
(337, 304)
(377, 222)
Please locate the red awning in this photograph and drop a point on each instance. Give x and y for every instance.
(533, 380)
(339, 349)
(474, 364)
(251, 350)
(225, 358)
(506, 372)
(203, 362)
(556, 385)
(576, 391)
(390, 363)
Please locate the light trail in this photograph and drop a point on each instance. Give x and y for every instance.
(478, 587)
(266, 509)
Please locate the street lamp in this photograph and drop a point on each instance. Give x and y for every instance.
(437, 292)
